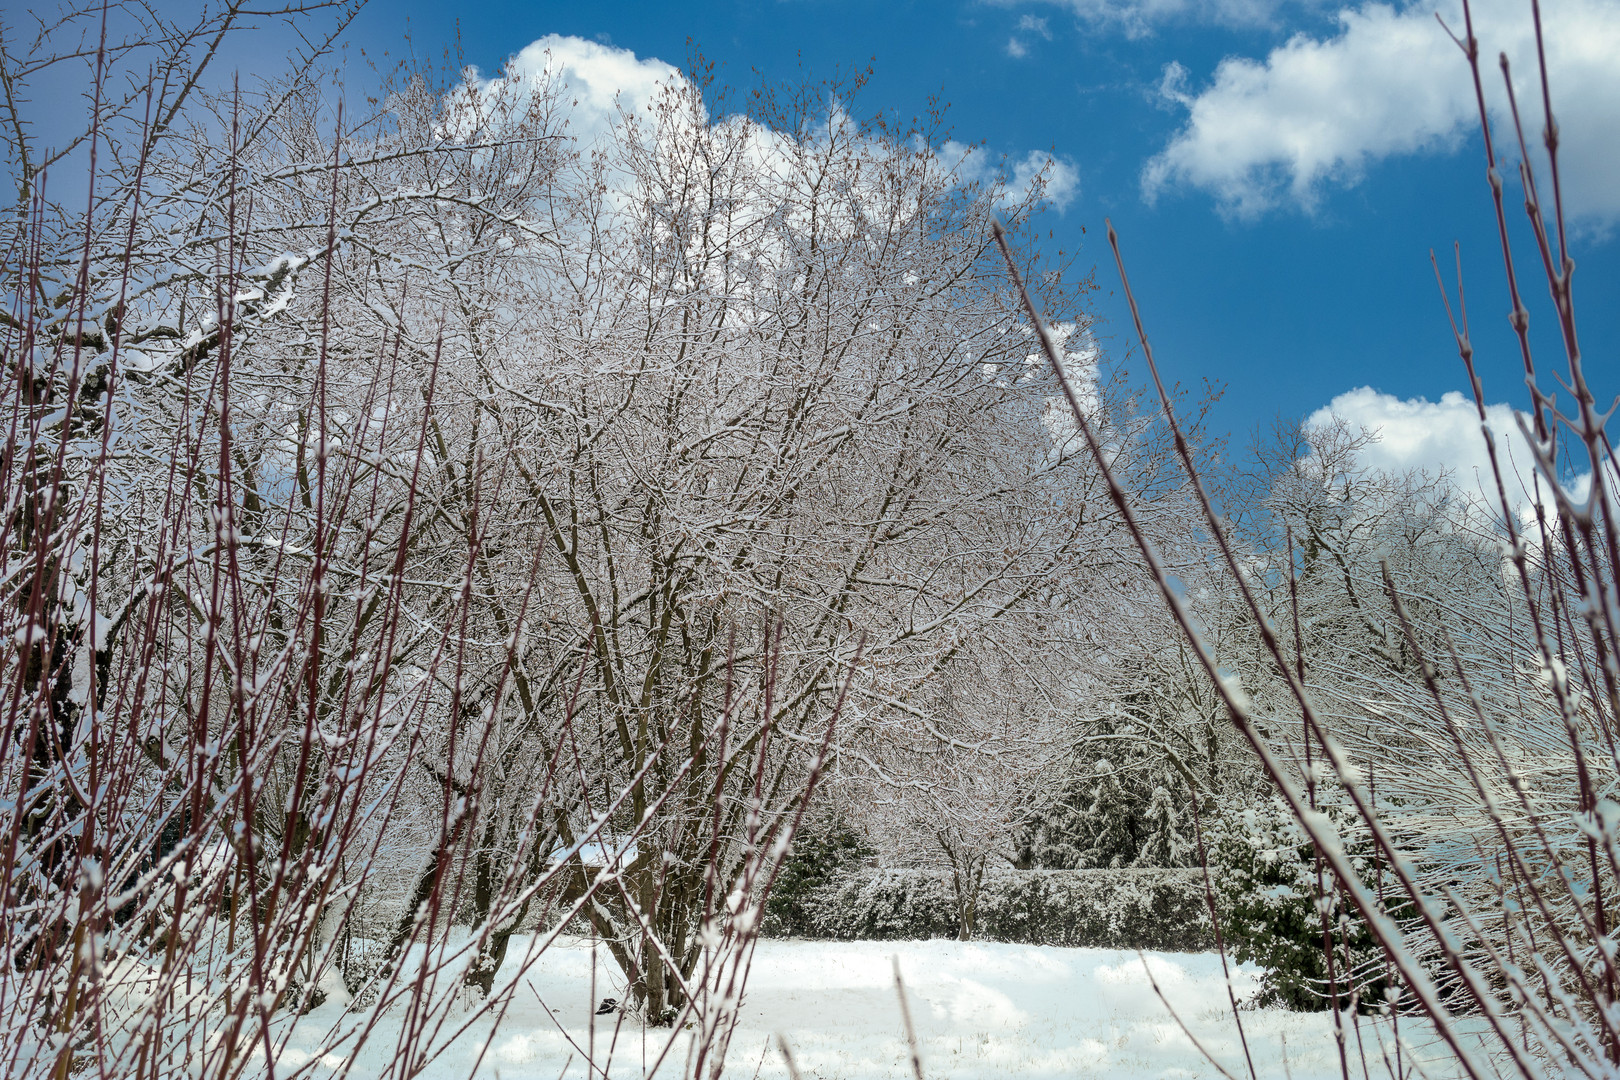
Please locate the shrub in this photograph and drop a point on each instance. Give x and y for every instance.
(1119, 909)
(815, 861)
(1271, 905)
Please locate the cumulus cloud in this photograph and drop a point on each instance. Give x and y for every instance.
(1317, 112)
(1416, 433)
(1059, 177)
(1444, 436)
(1081, 357)
(599, 79)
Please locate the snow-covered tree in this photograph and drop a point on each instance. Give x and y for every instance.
(957, 786)
(778, 414)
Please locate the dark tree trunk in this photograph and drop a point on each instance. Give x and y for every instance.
(967, 879)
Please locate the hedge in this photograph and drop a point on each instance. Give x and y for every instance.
(1116, 909)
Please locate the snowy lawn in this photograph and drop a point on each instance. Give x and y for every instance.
(981, 1010)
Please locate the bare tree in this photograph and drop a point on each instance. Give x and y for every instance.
(960, 789)
(772, 405)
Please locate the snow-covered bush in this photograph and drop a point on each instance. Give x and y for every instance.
(820, 856)
(1142, 908)
(1118, 909)
(1277, 903)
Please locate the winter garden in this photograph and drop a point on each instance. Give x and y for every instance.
(491, 594)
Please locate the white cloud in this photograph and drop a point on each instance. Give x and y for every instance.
(1444, 435)
(599, 79)
(1058, 178)
(1080, 354)
(1032, 25)
(1318, 111)
(1416, 433)
(1028, 24)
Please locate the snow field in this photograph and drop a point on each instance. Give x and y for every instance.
(981, 1010)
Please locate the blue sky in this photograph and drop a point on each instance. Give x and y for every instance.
(1306, 159)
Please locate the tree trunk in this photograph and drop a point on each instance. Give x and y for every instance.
(427, 883)
(967, 876)
(487, 881)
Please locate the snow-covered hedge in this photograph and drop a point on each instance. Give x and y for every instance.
(1122, 909)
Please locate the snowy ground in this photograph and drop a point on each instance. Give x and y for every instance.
(981, 1010)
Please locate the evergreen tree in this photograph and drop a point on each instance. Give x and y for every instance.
(1165, 844)
(1127, 810)
(1112, 823)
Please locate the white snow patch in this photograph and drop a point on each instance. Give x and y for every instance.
(981, 1009)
